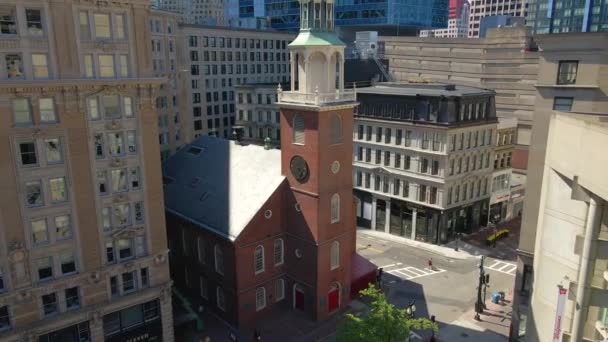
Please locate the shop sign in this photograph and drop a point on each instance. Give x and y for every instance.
(559, 316)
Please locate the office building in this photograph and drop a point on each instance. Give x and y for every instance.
(550, 16)
(501, 208)
(422, 159)
(219, 59)
(458, 25)
(397, 16)
(485, 8)
(258, 115)
(496, 21)
(506, 62)
(248, 225)
(167, 63)
(564, 232)
(83, 252)
(199, 12)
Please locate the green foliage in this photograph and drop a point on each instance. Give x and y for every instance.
(498, 235)
(383, 323)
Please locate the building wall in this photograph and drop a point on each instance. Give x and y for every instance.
(548, 167)
(75, 157)
(207, 12)
(258, 119)
(458, 24)
(501, 62)
(211, 81)
(484, 8)
(583, 16)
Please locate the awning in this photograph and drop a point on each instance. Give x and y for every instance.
(362, 273)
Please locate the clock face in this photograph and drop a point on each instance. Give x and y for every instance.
(335, 167)
(299, 169)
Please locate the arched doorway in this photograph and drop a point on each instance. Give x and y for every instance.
(333, 297)
(298, 297)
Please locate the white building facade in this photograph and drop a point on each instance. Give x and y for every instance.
(484, 8)
(457, 27)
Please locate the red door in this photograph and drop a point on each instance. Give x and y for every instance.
(299, 299)
(333, 299)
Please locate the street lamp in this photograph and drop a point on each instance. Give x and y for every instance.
(411, 309)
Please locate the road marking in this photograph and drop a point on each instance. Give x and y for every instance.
(503, 267)
(366, 247)
(409, 273)
(416, 336)
(390, 265)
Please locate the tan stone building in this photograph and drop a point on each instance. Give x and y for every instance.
(83, 252)
(564, 233)
(505, 62)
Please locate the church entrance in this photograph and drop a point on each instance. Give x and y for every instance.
(298, 297)
(333, 297)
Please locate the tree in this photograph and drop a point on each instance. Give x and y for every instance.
(383, 323)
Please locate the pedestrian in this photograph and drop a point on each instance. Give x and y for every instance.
(379, 276)
(431, 264)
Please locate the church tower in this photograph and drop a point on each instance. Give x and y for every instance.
(317, 148)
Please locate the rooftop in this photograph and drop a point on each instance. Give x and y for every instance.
(424, 89)
(220, 185)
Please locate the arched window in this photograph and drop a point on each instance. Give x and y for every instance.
(279, 290)
(259, 259)
(200, 246)
(335, 208)
(260, 298)
(298, 129)
(278, 252)
(336, 129)
(219, 259)
(335, 255)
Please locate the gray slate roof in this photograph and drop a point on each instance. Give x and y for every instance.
(424, 89)
(220, 185)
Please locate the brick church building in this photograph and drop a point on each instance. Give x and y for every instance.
(254, 229)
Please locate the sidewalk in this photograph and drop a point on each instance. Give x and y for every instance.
(506, 249)
(465, 250)
(494, 326)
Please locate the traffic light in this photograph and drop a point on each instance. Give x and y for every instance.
(487, 279)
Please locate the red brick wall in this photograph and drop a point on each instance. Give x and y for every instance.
(520, 159)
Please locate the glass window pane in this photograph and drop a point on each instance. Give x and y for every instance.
(27, 151)
(39, 231)
(120, 27)
(88, 66)
(132, 316)
(63, 227)
(127, 106)
(84, 25)
(47, 110)
(21, 109)
(14, 66)
(124, 66)
(102, 25)
(121, 215)
(111, 106)
(58, 191)
(119, 180)
(40, 66)
(131, 142)
(34, 22)
(115, 143)
(93, 108)
(106, 66)
(52, 149)
(106, 218)
(33, 195)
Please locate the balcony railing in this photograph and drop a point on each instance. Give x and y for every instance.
(317, 98)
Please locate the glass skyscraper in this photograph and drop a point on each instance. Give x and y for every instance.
(555, 16)
(363, 14)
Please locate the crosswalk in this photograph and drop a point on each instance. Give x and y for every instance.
(410, 272)
(503, 267)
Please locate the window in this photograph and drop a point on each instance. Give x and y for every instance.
(47, 110)
(424, 166)
(433, 195)
(127, 107)
(45, 268)
(124, 248)
(8, 23)
(49, 304)
(39, 231)
(396, 187)
(563, 104)
(72, 299)
(279, 290)
(121, 215)
(124, 66)
(63, 227)
(260, 298)
(566, 73)
(200, 248)
(129, 282)
(68, 265)
(102, 186)
(106, 66)
(406, 162)
(378, 156)
(134, 178)
(58, 190)
(118, 179)
(422, 193)
(378, 134)
(368, 133)
(40, 66)
(298, 129)
(14, 65)
(52, 149)
(106, 218)
(278, 252)
(259, 259)
(203, 287)
(219, 259)
(336, 129)
(21, 110)
(131, 142)
(28, 153)
(120, 26)
(115, 143)
(335, 255)
(335, 208)
(387, 158)
(449, 200)
(33, 19)
(387, 135)
(5, 321)
(220, 298)
(102, 25)
(33, 194)
(84, 25)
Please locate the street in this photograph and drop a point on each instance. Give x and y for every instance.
(448, 291)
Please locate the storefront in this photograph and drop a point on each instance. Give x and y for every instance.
(498, 208)
(76, 333)
(139, 323)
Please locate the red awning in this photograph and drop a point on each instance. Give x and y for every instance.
(363, 272)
